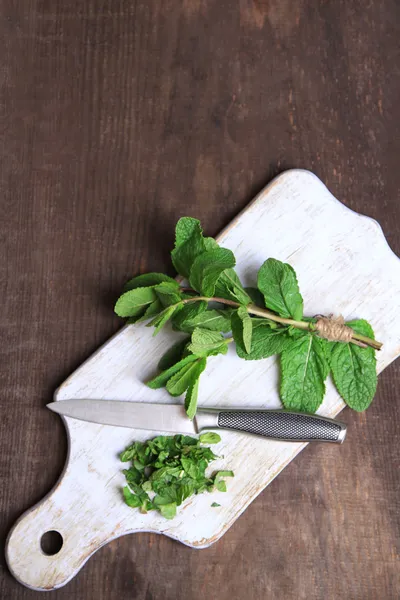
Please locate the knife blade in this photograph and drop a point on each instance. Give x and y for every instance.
(272, 424)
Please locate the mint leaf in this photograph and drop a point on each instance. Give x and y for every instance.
(327, 347)
(215, 505)
(191, 399)
(210, 243)
(210, 438)
(189, 312)
(185, 377)
(168, 510)
(134, 302)
(207, 343)
(152, 310)
(304, 369)
(161, 379)
(277, 281)
(190, 467)
(229, 287)
(354, 369)
(168, 293)
(219, 482)
(207, 268)
(173, 355)
(242, 328)
(185, 228)
(146, 280)
(189, 243)
(215, 320)
(161, 319)
(265, 341)
(130, 499)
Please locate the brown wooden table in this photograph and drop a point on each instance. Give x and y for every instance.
(116, 119)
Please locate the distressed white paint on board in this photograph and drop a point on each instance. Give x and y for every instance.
(344, 265)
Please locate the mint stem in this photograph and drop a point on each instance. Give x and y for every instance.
(266, 314)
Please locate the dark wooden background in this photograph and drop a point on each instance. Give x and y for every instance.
(117, 117)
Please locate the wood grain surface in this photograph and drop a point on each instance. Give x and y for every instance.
(116, 119)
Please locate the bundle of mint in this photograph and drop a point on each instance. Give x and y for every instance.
(216, 310)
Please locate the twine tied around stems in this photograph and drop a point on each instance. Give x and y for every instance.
(335, 330)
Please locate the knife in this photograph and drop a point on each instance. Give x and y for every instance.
(272, 424)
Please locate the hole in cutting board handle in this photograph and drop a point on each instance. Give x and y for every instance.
(51, 542)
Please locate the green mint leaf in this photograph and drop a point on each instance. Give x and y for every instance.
(242, 328)
(229, 287)
(133, 476)
(190, 467)
(189, 243)
(185, 228)
(130, 499)
(152, 310)
(146, 280)
(161, 379)
(210, 243)
(168, 293)
(219, 482)
(134, 302)
(207, 343)
(185, 377)
(256, 296)
(220, 474)
(190, 311)
(168, 510)
(215, 505)
(163, 317)
(127, 454)
(265, 341)
(173, 355)
(209, 438)
(354, 369)
(214, 320)
(278, 283)
(207, 268)
(327, 347)
(191, 399)
(304, 369)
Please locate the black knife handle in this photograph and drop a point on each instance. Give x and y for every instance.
(275, 424)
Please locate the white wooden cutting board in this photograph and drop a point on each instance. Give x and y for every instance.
(344, 266)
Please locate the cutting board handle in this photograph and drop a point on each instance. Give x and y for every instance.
(30, 561)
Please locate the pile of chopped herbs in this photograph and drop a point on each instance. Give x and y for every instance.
(213, 309)
(166, 470)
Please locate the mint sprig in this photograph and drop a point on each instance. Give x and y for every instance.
(263, 321)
